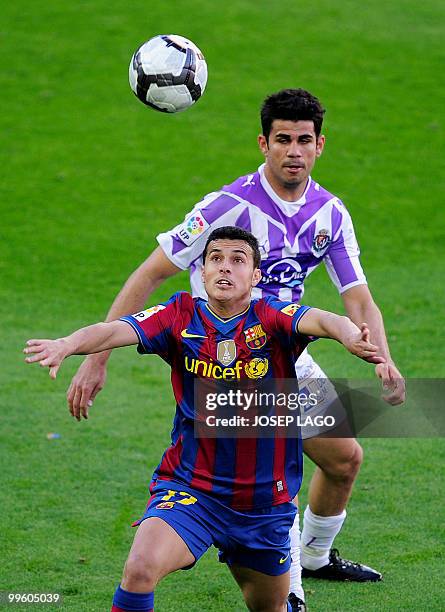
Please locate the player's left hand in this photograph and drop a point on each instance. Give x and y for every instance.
(49, 353)
(361, 346)
(393, 383)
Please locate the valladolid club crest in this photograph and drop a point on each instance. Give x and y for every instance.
(321, 241)
(255, 337)
(226, 352)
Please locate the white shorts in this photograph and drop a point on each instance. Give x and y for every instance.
(312, 380)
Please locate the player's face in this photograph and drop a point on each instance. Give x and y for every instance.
(229, 273)
(290, 153)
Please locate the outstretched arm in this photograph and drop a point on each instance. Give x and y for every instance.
(90, 377)
(316, 322)
(91, 339)
(361, 307)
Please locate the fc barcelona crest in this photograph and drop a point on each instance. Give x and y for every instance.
(255, 337)
(321, 241)
(226, 352)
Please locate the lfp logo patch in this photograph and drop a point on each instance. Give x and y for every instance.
(195, 225)
(192, 228)
(290, 309)
(146, 314)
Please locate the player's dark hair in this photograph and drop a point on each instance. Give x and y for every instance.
(291, 105)
(230, 232)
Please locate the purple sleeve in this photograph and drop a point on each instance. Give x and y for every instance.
(342, 260)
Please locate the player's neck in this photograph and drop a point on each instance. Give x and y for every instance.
(288, 193)
(228, 309)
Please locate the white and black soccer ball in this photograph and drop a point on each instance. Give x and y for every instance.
(168, 73)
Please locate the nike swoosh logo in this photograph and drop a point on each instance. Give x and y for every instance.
(185, 334)
(284, 559)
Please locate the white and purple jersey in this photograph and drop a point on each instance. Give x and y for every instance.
(294, 237)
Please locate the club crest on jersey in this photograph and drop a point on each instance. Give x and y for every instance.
(255, 337)
(291, 309)
(257, 368)
(146, 314)
(165, 505)
(226, 352)
(321, 241)
(192, 228)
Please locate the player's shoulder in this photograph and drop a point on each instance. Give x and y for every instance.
(179, 310)
(183, 299)
(317, 192)
(326, 204)
(217, 203)
(285, 309)
(226, 198)
(243, 186)
(279, 317)
(266, 308)
(271, 302)
(178, 302)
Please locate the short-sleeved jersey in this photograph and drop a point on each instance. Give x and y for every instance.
(294, 237)
(262, 342)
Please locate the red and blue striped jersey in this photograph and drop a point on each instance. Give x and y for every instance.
(261, 342)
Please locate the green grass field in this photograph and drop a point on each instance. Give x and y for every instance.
(90, 176)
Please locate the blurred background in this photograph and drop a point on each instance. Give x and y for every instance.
(89, 177)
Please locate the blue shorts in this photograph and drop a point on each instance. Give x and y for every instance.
(257, 539)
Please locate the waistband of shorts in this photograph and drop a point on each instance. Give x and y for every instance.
(281, 508)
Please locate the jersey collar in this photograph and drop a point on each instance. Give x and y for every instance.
(289, 208)
(230, 319)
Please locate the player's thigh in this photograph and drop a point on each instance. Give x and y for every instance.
(262, 593)
(158, 548)
(333, 454)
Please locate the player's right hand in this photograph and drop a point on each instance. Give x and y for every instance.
(86, 383)
(48, 353)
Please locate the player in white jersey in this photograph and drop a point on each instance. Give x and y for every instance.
(298, 225)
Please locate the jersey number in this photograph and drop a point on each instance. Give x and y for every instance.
(185, 500)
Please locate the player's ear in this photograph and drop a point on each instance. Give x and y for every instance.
(256, 277)
(203, 276)
(320, 145)
(262, 143)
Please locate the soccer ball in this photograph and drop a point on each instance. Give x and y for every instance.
(168, 73)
